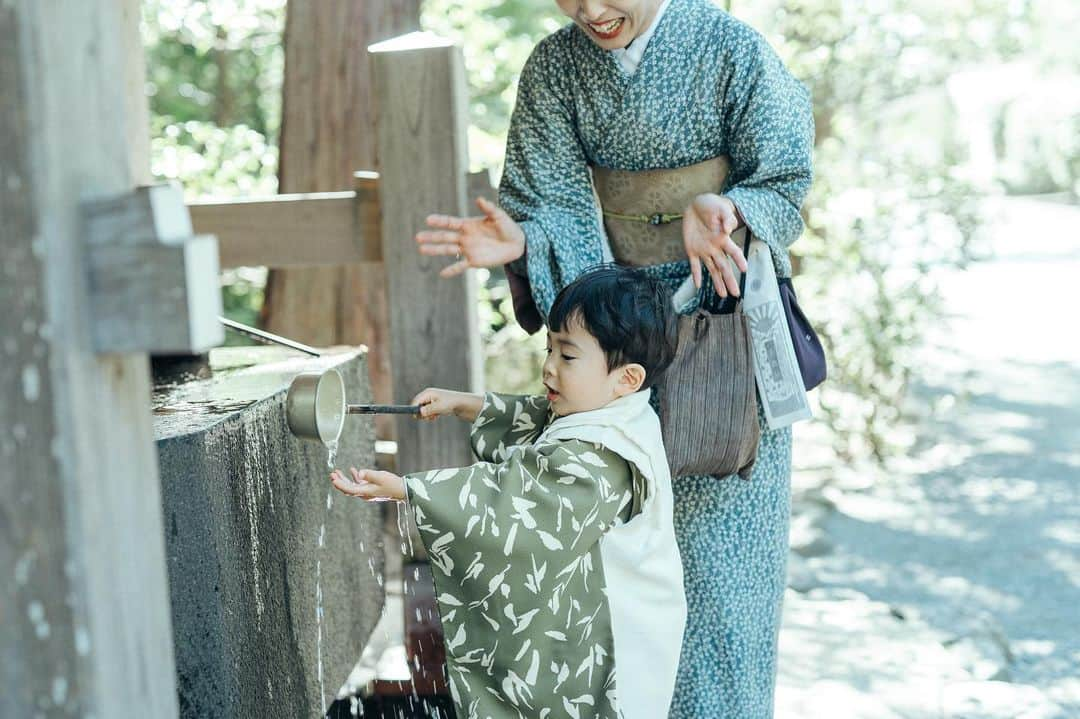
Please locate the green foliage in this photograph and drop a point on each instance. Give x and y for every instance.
(496, 37)
(894, 197)
(213, 161)
(219, 61)
(512, 359)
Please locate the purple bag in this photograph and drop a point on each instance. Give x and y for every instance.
(808, 350)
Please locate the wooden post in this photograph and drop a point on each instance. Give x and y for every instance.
(84, 610)
(420, 82)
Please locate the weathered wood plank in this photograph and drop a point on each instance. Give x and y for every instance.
(154, 286)
(305, 229)
(294, 230)
(420, 82)
(85, 627)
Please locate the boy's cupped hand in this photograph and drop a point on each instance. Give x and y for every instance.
(371, 485)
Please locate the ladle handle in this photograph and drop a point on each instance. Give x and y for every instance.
(268, 337)
(413, 409)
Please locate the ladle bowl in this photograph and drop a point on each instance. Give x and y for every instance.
(315, 406)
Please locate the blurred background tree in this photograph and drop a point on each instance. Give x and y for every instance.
(923, 109)
(214, 73)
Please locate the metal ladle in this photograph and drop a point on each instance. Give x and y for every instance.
(315, 406)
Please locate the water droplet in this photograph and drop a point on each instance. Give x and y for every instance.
(59, 690)
(82, 641)
(31, 382)
(22, 567)
(36, 612)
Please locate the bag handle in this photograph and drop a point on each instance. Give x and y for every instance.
(730, 304)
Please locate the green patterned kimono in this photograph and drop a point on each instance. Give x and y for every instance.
(707, 85)
(515, 544)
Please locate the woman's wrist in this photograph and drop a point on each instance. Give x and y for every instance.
(520, 265)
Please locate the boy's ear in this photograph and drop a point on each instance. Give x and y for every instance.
(631, 377)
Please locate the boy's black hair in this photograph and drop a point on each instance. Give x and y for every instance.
(629, 313)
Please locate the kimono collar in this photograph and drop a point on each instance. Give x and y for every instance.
(620, 413)
(628, 427)
(630, 57)
(674, 30)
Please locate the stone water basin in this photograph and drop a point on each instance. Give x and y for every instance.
(275, 582)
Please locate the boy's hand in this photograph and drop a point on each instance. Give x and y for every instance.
(369, 484)
(435, 403)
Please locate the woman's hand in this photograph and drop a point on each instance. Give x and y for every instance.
(707, 226)
(491, 240)
(435, 403)
(370, 485)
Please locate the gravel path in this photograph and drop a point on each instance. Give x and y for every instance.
(971, 543)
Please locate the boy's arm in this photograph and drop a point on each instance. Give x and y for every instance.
(547, 503)
(435, 403)
(507, 420)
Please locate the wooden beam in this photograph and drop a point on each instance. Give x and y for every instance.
(84, 612)
(154, 286)
(422, 117)
(306, 229)
(295, 230)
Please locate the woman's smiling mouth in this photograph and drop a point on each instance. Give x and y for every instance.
(607, 30)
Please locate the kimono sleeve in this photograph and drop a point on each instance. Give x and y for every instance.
(545, 505)
(768, 120)
(507, 420)
(546, 186)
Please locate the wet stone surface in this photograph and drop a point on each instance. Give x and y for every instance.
(272, 600)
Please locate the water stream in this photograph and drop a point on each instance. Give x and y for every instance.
(332, 448)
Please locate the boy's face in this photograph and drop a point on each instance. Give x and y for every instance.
(576, 373)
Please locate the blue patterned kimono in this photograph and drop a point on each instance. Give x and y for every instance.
(707, 85)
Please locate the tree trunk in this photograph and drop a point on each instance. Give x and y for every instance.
(223, 112)
(327, 133)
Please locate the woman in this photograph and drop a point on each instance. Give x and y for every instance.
(653, 103)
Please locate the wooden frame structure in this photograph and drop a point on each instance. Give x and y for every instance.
(419, 77)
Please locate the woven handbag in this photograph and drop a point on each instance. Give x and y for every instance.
(708, 395)
(708, 399)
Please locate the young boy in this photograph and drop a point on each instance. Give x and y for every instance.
(558, 578)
